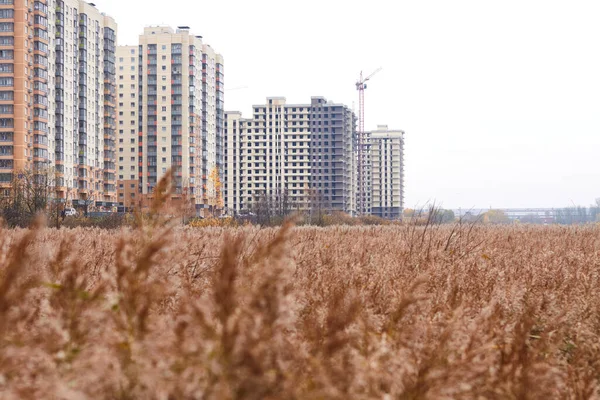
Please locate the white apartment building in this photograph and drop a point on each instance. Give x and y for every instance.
(295, 156)
(84, 100)
(177, 101)
(386, 165)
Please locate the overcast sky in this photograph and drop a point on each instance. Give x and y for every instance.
(499, 99)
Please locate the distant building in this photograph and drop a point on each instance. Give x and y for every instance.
(171, 91)
(385, 173)
(297, 156)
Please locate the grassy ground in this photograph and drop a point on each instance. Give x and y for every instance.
(397, 312)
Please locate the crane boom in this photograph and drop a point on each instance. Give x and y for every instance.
(373, 74)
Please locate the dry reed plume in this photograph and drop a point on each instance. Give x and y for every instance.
(396, 312)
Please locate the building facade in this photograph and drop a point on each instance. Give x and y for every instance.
(24, 86)
(57, 96)
(84, 102)
(386, 167)
(296, 157)
(128, 161)
(177, 100)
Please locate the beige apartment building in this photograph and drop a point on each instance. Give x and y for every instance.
(128, 156)
(57, 91)
(176, 102)
(386, 167)
(296, 157)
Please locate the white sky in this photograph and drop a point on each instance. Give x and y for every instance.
(499, 99)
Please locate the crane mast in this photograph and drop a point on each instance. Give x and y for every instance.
(361, 85)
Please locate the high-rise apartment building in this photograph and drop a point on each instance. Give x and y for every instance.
(57, 92)
(127, 126)
(297, 156)
(386, 167)
(333, 132)
(24, 53)
(177, 100)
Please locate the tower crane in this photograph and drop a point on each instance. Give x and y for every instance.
(361, 85)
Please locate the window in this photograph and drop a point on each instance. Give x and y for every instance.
(7, 40)
(6, 81)
(7, 54)
(6, 68)
(7, 13)
(7, 27)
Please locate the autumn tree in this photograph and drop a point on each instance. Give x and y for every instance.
(215, 193)
(495, 217)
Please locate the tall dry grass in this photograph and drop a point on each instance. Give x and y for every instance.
(396, 312)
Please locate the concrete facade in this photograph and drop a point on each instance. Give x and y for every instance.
(299, 155)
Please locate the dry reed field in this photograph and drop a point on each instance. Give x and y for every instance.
(395, 312)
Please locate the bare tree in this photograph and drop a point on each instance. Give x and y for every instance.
(30, 193)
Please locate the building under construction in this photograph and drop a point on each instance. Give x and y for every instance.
(379, 165)
(295, 157)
